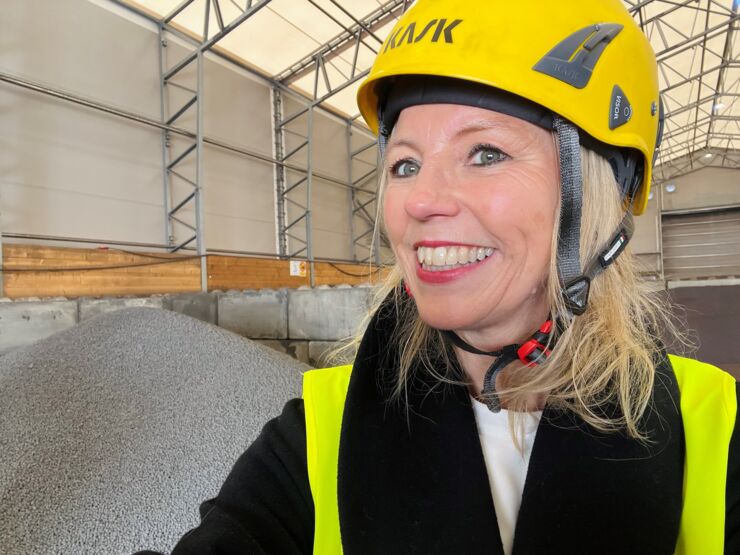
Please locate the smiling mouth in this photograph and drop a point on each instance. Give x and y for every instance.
(440, 259)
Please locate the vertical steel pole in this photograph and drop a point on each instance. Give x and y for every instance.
(351, 194)
(168, 238)
(309, 183)
(658, 195)
(280, 172)
(199, 220)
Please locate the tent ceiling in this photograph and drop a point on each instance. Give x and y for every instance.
(695, 42)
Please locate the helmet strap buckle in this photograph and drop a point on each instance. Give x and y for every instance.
(575, 294)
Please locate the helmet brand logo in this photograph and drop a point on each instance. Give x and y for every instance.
(406, 34)
(574, 58)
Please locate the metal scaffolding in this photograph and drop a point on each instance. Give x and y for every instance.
(293, 188)
(293, 180)
(699, 68)
(172, 161)
(695, 42)
(689, 60)
(363, 196)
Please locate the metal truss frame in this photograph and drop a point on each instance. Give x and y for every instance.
(362, 222)
(701, 133)
(686, 144)
(293, 182)
(291, 186)
(706, 130)
(174, 207)
(364, 241)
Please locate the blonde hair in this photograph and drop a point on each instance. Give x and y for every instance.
(604, 360)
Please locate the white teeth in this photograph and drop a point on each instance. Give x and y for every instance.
(439, 258)
(445, 258)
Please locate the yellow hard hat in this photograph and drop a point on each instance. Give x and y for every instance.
(586, 61)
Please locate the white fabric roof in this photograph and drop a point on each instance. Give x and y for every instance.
(695, 41)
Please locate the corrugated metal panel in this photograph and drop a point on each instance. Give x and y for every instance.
(701, 245)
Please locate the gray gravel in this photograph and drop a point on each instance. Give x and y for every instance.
(114, 431)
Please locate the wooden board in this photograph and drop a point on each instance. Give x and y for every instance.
(94, 272)
(234, 272)
(352, 274)
(75, 272)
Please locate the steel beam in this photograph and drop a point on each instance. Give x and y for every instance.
(701, 77)
(207, 44)
(309, 198)
(726, 55)
(694, 77)
(357, 22)
(187, 38)
(280, 177)
(176, 11)
(350, 192)
(341, 42)
(686, 44)
(283, 188)
(165, 143)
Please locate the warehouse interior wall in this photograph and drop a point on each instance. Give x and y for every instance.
(68, 171)
(646, 241)
(706, 187)
(73, 172)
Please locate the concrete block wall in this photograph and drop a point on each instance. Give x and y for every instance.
(305, 323)
(89, 308)
(261, 314)
(326, 313)
(22, 323)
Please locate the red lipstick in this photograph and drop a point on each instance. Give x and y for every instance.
(446, 276)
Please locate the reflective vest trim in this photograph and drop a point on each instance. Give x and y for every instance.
(324, 392)
(708, 411)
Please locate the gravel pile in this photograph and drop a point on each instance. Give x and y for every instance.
(114, 431)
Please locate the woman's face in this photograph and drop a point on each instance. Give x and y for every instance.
(469, 209)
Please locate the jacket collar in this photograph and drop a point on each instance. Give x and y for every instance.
(412, 478)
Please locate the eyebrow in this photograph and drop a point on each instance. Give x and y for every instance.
(472, 127)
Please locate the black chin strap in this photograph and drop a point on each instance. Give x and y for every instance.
(532, 352)
(489, 394)
(465, 346)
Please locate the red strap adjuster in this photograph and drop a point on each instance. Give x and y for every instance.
(533, 351)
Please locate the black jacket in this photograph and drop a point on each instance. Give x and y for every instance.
(415, 482)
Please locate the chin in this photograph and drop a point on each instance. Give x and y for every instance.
(445, 317)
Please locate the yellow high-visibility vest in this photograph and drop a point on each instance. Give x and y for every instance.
(708, 402)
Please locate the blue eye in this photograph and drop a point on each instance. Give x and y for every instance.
(405, 168)
(486, 155)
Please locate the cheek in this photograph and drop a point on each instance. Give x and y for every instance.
(522, 210)
(394, 215)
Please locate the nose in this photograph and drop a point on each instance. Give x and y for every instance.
(431, 195)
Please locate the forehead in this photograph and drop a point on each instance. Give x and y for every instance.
(451, 120)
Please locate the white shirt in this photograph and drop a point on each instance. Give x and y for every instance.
(506, 465)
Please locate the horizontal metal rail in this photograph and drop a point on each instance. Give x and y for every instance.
(144, 120)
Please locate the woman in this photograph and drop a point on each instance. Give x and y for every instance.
(509, 394)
